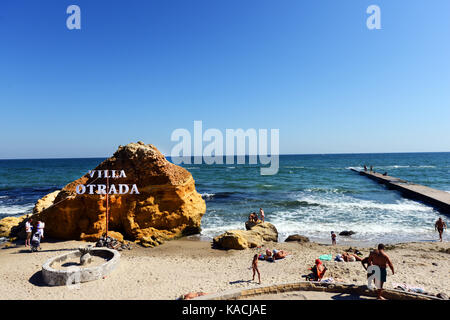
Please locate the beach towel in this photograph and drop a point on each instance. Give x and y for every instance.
(408, 288)
(339, 258)
(327, 280)
(325, 257)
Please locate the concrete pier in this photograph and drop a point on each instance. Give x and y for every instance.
(436, 198)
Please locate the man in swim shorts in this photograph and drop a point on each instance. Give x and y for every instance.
(440, 226)
(381, 259)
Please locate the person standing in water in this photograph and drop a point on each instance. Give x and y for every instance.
(261, 213)
(255, 268)
(333, 238)
(439, 226)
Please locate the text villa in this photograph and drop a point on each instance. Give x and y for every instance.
(102, 188)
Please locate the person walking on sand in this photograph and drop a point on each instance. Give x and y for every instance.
(28, 230)
(261, 213)
(255, 268)
(440, 226)
(380, 259)
(333, 238)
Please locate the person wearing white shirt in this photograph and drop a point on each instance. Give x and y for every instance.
(28, 230)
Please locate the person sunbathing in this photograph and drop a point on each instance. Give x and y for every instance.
(280, 254)
(269, 256)
(350, 257)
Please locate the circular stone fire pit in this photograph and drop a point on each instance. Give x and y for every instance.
(86, 264)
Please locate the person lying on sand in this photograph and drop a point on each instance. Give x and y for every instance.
(350, 257)
(192, 295)
(279, 254)
(269, 256)
(255, 268)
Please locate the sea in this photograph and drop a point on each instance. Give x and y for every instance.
(311, 195)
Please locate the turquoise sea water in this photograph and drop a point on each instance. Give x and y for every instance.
(311, 194)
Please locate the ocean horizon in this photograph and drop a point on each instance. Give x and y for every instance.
(312, 194)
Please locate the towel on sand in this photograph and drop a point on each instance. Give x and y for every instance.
(325, 257)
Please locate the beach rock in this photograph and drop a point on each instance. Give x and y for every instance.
(442, 296)
(45, 202)
(243, 239)
(346, 233)
(238, 240)
(297, 237)
(12, 227)
(167, 206)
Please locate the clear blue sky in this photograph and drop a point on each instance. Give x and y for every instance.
(137, 70)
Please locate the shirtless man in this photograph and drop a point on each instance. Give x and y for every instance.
(380, 258)
(261, 212)
(279, 254)
(440, 226)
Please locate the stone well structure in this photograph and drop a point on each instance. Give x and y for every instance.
(80, 273)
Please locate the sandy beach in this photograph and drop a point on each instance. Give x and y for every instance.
(181, 266)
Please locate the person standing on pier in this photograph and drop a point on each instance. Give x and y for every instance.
(440, 226)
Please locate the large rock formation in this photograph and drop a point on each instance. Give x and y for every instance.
(297, 238)
(12, 226)
(167, 206)
(243, 239)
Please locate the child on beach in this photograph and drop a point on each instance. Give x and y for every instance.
(333, 238)
(28, 230)
(261, 212)
(255, 268)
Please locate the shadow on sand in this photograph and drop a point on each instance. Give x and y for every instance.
(240, 281)
(36, 280)
(346, 296)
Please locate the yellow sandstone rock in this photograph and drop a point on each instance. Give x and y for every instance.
(167, 206)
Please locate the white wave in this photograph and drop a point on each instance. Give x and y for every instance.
(3, 197)
(16, 209)
(214, 231)
(208, 195)
(345, 203)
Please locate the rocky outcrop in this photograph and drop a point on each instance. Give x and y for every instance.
(12, 227)
(243, 239)
(297, 238)
(167, 205)
(45, 202)
(346, 233)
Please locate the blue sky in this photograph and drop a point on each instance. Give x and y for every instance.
(137, 70)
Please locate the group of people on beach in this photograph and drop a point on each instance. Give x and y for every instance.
(253, 217)
(375, 264)
(33, 239)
